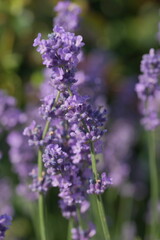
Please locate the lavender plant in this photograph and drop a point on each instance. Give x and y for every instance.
(68, 142)
(148, 91)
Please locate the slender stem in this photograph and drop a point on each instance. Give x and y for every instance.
(70, 225)
(102, 217)
(40, 200)
(94, 167)
(40, 175)
(41, 217)
(98, 197)
(79, 218)
(153, 182)
(48, 121)
(119, 217)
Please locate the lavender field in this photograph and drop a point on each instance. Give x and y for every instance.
(79, 120)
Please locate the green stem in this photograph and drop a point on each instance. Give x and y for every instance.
(70, 225)
(79, 218)
(98, 197)
(40, 200)
(41, 217)
(40, 176)
(153, 182)
(94, 167)
(102, 217)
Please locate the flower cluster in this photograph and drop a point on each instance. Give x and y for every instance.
(22, 160)
(72, 130)
(5, 221)
(61, 53)
(148, 89)
(67, 15)
(10, 115)
(100, 185)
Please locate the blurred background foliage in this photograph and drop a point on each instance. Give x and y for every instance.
(122, 29)
(125, 28)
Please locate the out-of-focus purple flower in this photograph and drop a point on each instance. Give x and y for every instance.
(5, 199)
(5, 221)
(34, 133)
(117, 151)
(67, 15)
(22, 159)
(45, 88)
(10, 115)
(89, 80)
(80, 234)
(148, 89)
(150, 64)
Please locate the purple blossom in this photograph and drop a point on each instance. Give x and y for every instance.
(61, 53)
(148, 89)
(10, 115)
(22, 159)
(6, 195)
(79, 234)
(39, 184)
(5, 221)
(73, 127)
(34, 133)
(118, 150)
(100, 185)
(21, 155)
(67, 15)
(150, 64)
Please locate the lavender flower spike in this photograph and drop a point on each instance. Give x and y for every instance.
(67, 15)
(148, 89)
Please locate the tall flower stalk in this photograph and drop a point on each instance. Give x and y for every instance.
(148, 91)
(68, 142)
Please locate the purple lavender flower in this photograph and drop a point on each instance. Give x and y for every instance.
(150, 64)
(100, 185)
(79, 234)
(39, 184)
(5, 199)
(148, 89)
(89, 80)
(34, 133)
(22, 159)
(72, 128)
(117, 151)
(60, 52)
(67, 15)
(5, 221)
(10, 115)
